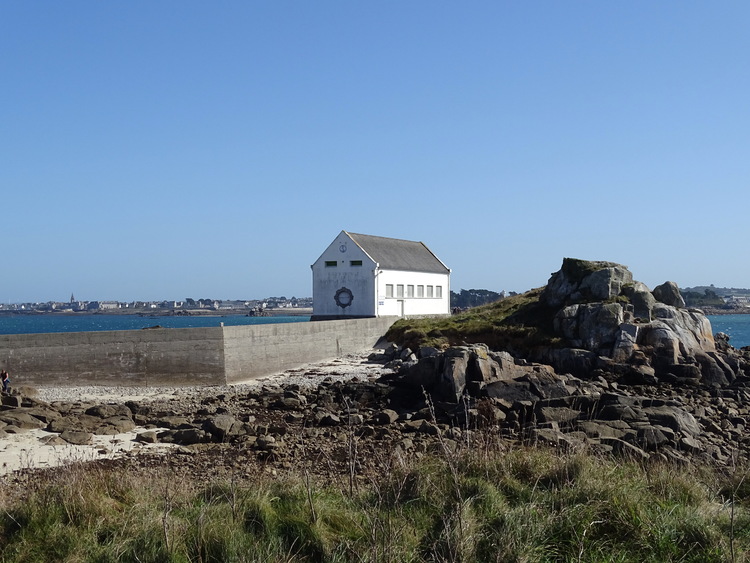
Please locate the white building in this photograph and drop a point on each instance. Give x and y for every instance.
(369, 276)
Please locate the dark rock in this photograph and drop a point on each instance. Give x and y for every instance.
(288, 403)
(83, 422)
(428, 352)
(11, 400)
(108, 411)
(77, 438)
(621, 412)
(600, 429)
(576, 361)
(223, 426)
(189, 436)
(44, 414)
(669, 294)
(148, 437)
(651, 438)
(53, 440)
(711, 372)
(327, 419)
(691, 445)
(173, 422)
(511, 391)
(673, 417)
(546, 384)
(452, 380)
(561, 415)
(22, 420)
(421, 375)
(120, 424)
(625, 449)
(266, 443)
(386, 416)
(548, 436)
(641, 299)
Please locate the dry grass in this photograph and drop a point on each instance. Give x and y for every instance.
(474, 505)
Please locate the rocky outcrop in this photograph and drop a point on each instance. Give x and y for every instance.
(535, 404)
(617, 324)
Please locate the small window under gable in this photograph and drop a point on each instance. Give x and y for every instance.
(355, 262)
(331, 263)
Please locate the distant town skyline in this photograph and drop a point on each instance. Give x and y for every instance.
(180, 302)
(153, 151)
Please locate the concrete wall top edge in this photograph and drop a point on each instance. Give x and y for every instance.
(295, 328)
(107, 336)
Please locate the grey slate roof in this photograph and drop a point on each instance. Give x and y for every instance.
(397, 254)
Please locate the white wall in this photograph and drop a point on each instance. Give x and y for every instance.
(413, 306)
(358, 279)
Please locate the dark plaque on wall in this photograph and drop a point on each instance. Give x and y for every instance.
(344, 297)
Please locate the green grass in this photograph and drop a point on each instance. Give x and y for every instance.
(525, 505)
(517, 323)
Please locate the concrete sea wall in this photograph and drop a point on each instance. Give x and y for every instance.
(181, 356)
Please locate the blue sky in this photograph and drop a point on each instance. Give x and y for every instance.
(164, 150)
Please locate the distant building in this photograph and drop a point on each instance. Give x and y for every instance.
(371, 276)
(737, 301)
(102, 305)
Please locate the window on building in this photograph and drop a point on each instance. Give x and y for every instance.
(331, 263)
(420, 291)
(439, 291)
(355, 262)
(429, 291)
(410, 291)
(389, 291)
(400, 291)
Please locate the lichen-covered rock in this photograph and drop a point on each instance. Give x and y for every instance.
(641, 300)
(598, 307)
(669, 294)
(581, 281)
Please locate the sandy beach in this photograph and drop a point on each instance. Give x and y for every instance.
(28, 449)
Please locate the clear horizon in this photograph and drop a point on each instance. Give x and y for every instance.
(197, 149)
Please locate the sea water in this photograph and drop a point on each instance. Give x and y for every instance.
(34, 324)
(736, 326)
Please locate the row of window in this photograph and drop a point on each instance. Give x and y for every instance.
(334, 264)
(422, 291)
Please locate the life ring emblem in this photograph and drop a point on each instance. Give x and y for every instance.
(344, 297)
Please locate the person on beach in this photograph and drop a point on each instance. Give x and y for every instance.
(5, 376)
